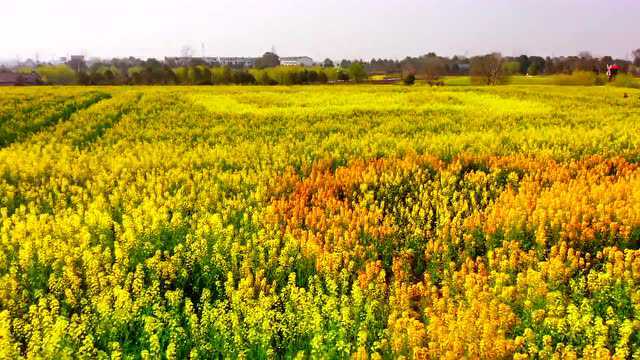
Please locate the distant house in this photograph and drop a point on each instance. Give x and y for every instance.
(296, 61)
(235, 61)
(12, 79)
(238, 61)
(211, 61)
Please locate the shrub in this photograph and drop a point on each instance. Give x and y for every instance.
(579, 78)
(410, 79)
(627, 81)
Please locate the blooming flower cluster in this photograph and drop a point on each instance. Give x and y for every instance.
(319, 222)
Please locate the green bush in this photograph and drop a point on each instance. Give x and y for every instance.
(579, 78)
(57, 74)
(410, 79)
(627, 81)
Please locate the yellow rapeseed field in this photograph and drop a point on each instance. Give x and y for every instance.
(328, 222)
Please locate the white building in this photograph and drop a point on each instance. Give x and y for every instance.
(189, 60)
(296, 61)
(238, 61)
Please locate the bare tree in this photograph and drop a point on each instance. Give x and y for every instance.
(488, 69)
(586, 62)
(585, 55)
(434, 68)
(636, 57)
(407, 69)
(186, 51)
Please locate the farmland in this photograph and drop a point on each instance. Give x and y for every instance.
(320, 221)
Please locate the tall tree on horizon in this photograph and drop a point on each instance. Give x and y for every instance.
(636, 57)
(357, 72)
(488, 69)
(268, 60)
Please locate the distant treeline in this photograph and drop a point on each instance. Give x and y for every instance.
(132, 71)
(525, 65)
(152, 72)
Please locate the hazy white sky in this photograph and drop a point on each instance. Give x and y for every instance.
(318, 28)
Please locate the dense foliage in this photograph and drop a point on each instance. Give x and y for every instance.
(323, 222)
(267, 70)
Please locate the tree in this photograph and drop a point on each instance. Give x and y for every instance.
(312, 76)
(265, 79)
(523, 61)
(227, 75)
(328, 63)
(537, 65)
(434, 68)
(511, 67)
(182, 75)
(206, 76)
(196, 77)
(487, 69)
(293, 78)
(57, 74)
(152, 71)
(357, 72)
(84, 78)
(243, 77)
(342, 75)
(585, 62)
(109, 76)
(636, 57)
(268, 60)
(408, 67)
(136, 78)
(322, 77)
(96, 78)
(534, 69)
(77, 64)
(169, 76)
